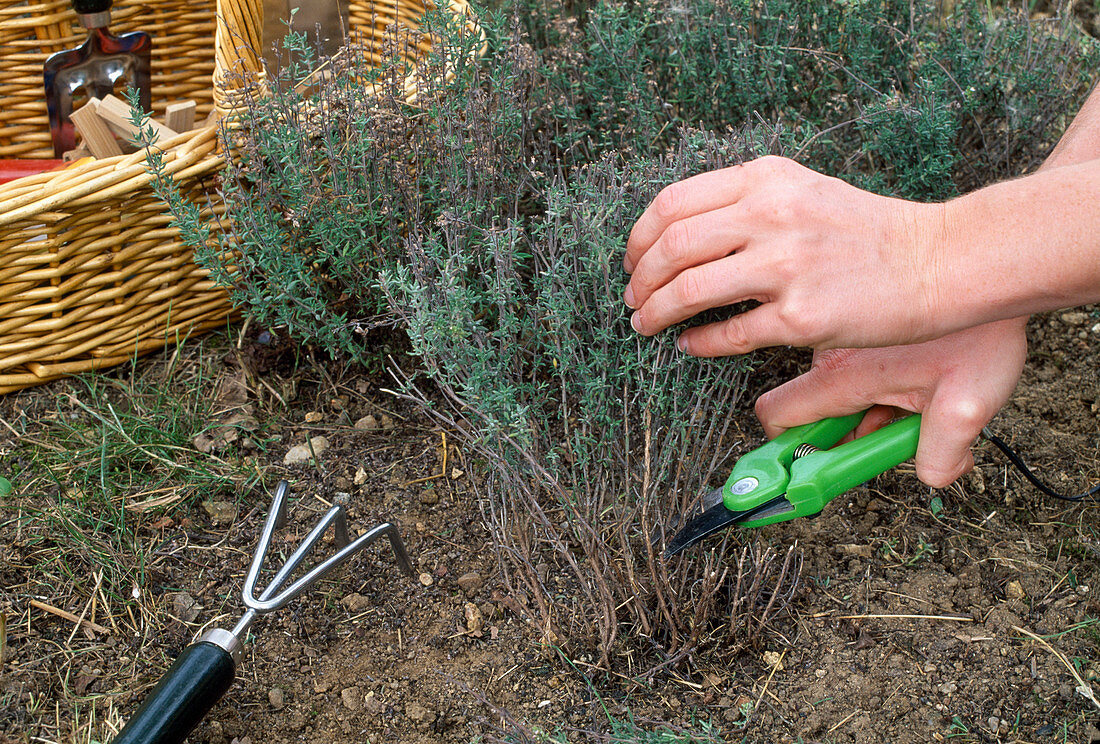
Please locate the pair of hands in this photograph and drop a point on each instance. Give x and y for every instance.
(863, 279)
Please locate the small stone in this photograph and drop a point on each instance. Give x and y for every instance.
(820, 673)
(314, 417)
(321, 686)
(418, 713)
(352, 697)
(470, 583)
(387, 424)
(429, 496)
(221, 512)
(1075, 318)
(301, 453)
(774, 660)
(368, 423)
(947, 688)
(474, 620)
(276, 698)
(1014, 590)
(360, 476)
(1096, 328)
(356, 603)
(426, 579)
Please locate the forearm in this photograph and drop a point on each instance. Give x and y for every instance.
(1022, 246)
(1081, 141)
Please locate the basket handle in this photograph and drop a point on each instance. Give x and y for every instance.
(238, 66)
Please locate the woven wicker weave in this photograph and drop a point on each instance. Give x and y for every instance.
(90, 272)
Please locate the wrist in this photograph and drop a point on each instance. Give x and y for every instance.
(1023, 246)
(938, 248)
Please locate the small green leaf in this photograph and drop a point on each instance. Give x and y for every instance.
(5, 487)
(935, 506)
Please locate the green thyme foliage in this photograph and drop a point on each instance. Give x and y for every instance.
(899, 96)
(332, 173)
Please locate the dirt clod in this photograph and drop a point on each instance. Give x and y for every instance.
(373, 704)
(356, 603)
(416, 712)
(474, 619)
(220, 512)
(352, 698)
(276, 697)
(1014, 590)
(429, 496)
(184, 606)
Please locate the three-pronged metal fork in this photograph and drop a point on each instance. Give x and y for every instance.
(205, 669)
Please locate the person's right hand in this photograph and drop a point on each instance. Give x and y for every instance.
(957, 382)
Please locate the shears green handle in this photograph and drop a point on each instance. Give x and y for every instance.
(819, 474)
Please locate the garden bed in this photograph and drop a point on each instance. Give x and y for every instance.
(374, 656)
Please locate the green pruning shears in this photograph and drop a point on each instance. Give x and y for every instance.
(796, 474)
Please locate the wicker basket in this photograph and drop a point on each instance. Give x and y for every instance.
(91, 274)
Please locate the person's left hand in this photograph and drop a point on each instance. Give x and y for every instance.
(957, 382)
(832, 265)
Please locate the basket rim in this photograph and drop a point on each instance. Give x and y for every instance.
(184, 154)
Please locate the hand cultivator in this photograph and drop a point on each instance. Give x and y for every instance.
(205, 669)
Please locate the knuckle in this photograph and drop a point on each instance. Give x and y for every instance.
(833, 361)
(667, 204)
(688, 288)
(798, 323)
(968, 413)
(677, 242)
(763, 407)
(774, 165)
(735, 336)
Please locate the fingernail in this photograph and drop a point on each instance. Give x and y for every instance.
(628, 297)
(682, 344)
(628, 265)
(634, 322)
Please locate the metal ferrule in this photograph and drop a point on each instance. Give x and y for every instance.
(101, 19)
(226, 641)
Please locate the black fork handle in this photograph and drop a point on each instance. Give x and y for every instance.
(184, 695)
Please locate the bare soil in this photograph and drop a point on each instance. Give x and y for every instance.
(911, 623)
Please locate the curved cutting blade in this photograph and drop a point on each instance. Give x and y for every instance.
(717, 518)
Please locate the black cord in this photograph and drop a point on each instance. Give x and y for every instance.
(1018, 461)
